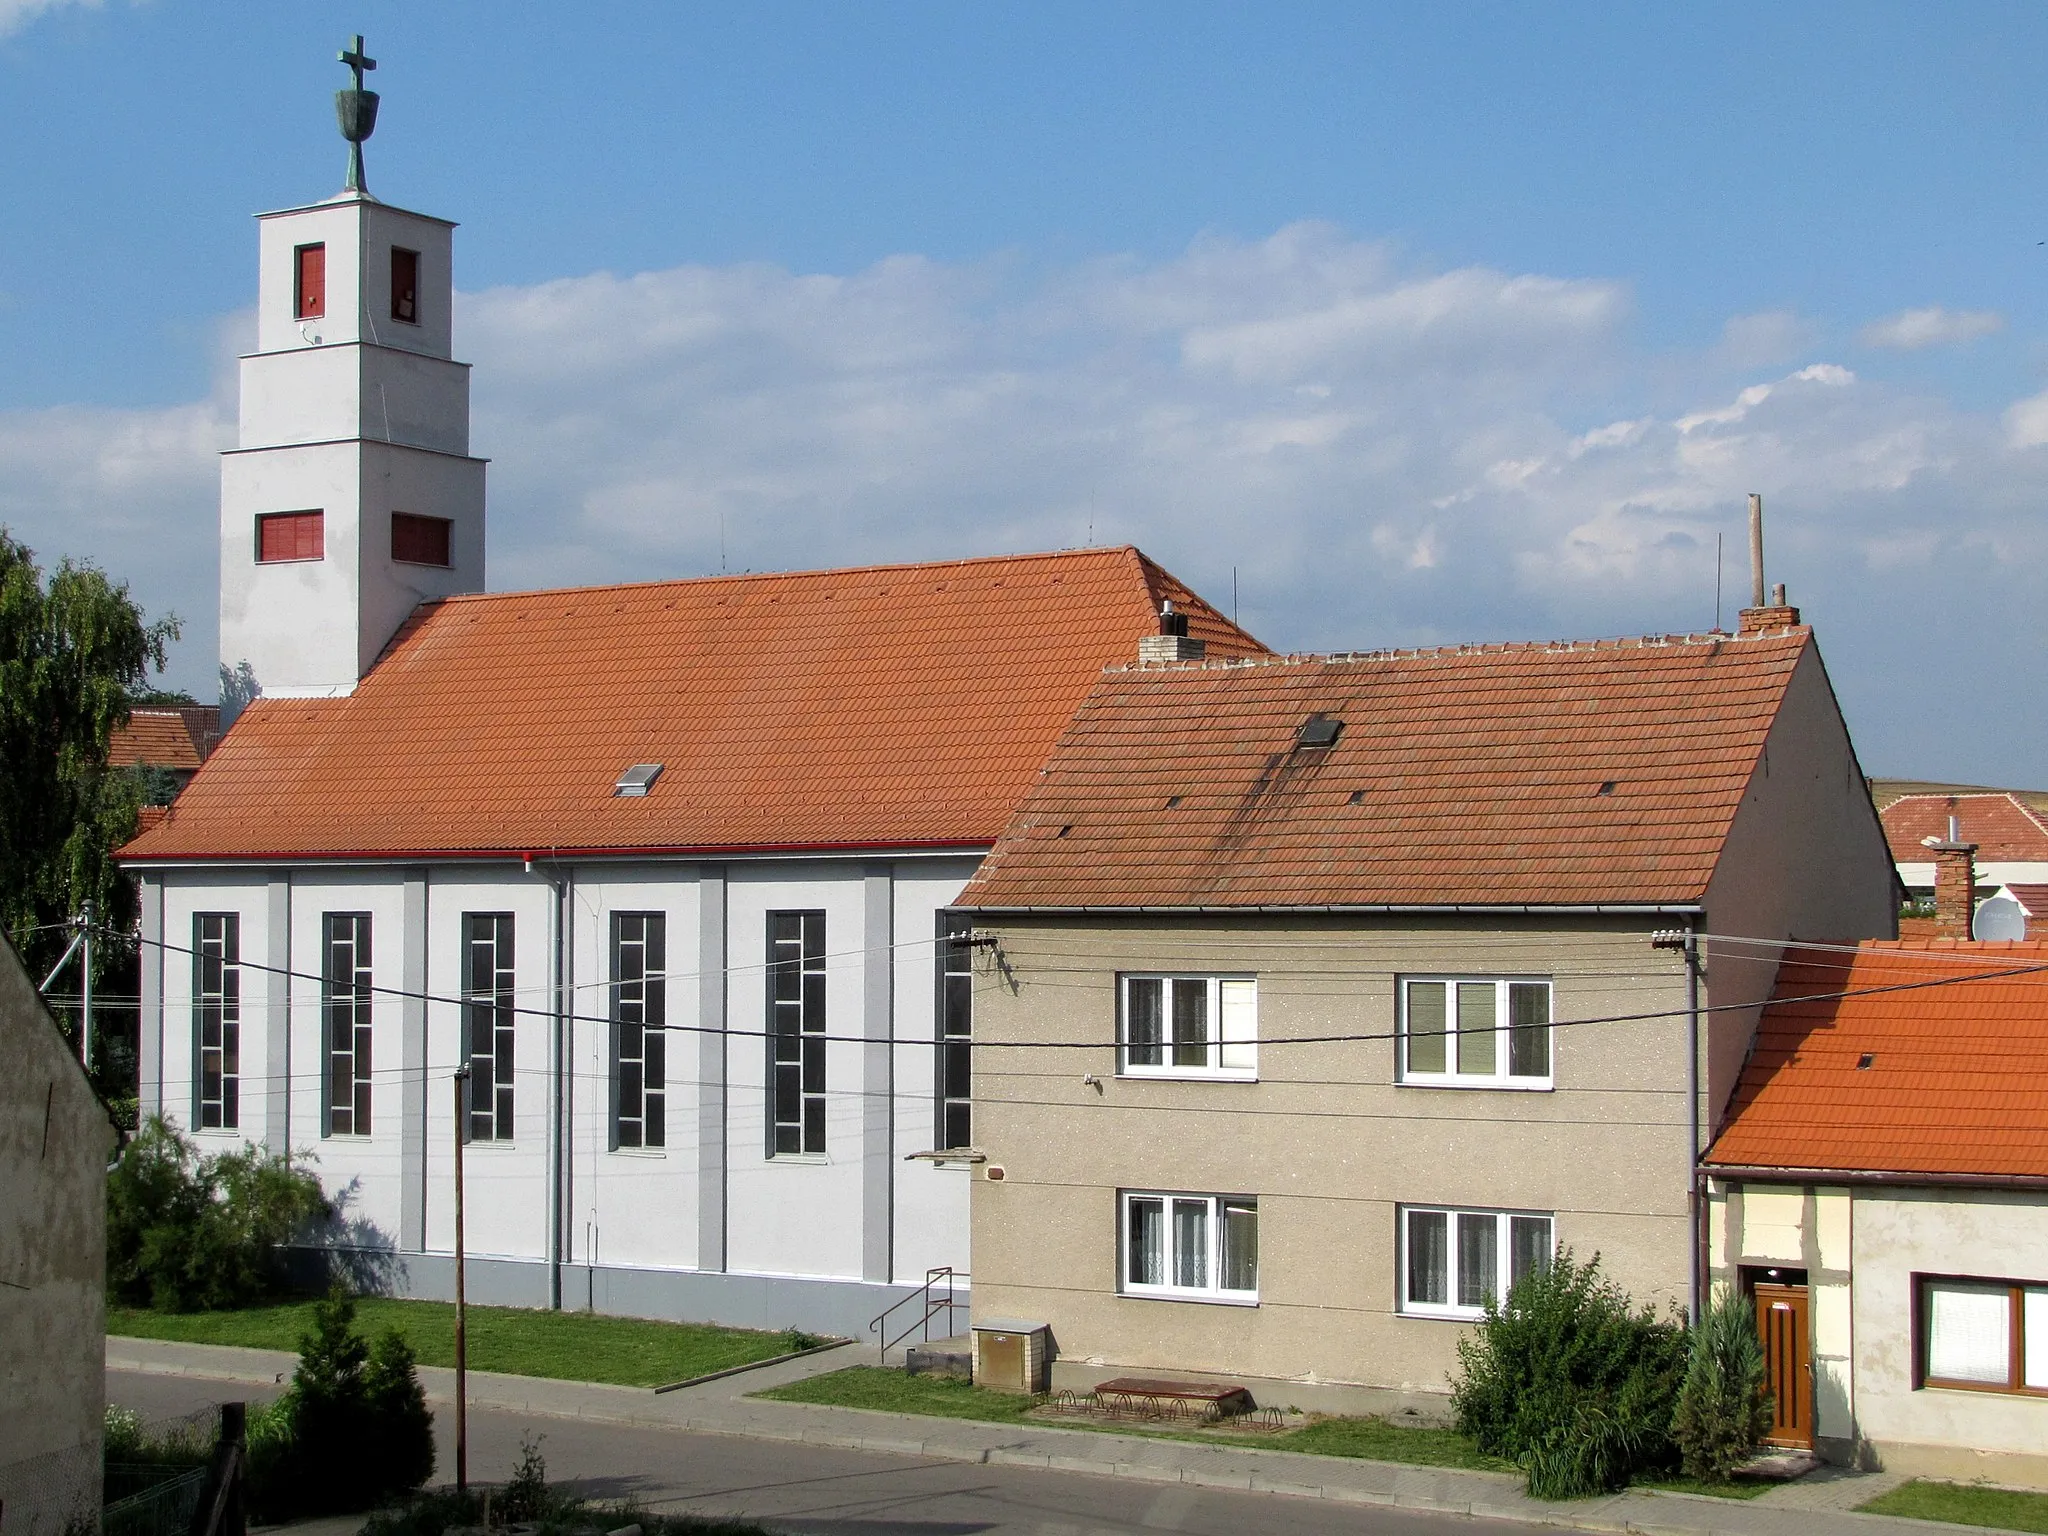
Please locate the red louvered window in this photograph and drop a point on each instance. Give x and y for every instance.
(309, 297)
(289, 536)
(419, 540)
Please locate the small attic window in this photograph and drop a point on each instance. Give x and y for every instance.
(636, 780)
(1318, 731)
(1606, 787)
(1866, 1061)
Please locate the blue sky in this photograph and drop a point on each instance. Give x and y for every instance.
(1468, 294)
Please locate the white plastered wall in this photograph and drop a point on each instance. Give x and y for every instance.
(186, 894)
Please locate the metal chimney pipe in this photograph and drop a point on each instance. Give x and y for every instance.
(1756, 550)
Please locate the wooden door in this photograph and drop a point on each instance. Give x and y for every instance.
(1782, 1322)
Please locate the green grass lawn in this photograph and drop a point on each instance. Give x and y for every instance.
(568, 1346)
(1963, 1504)
(892, 1391)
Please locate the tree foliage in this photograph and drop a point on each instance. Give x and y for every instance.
(75, 651)
(187, 1231)
(1724, 1411)
(1570, 1382)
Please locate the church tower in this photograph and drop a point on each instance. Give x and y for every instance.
(351, 495)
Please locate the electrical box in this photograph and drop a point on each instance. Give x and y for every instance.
(1013, 1356)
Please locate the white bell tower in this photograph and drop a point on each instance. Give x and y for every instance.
(351, 495)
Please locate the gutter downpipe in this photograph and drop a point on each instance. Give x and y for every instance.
(1697, 1232)
(558, 1099)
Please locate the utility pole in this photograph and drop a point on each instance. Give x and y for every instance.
(461, 1336)
(85, 990)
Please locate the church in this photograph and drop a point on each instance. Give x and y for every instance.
(667, 867)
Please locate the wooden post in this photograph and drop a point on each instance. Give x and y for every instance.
(461, 1338)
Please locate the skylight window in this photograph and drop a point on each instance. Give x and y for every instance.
(1318, 731)
(636, 780)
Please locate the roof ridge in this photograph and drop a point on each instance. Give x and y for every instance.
(1088, 551)
(1470, 648)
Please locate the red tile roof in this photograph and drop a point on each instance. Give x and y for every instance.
(177, 738)
(1958, 1075)
(2005, 829)
(1462, 776)
(886, 706)
(2033, 899)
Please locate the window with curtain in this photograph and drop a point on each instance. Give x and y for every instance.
(1453, 1261)
(1191, 1247)
(1987, 1335)
(1475, 1032)
(1188, 1026)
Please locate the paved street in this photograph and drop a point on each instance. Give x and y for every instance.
(816, 1489)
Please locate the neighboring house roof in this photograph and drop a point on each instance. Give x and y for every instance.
(1957, 1081)
(178, 738)
(2033, 899)
(1885, 791)
(2004, 828)
(888, 706)
(1465, 776)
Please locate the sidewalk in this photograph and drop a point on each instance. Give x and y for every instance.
(1812, 1507)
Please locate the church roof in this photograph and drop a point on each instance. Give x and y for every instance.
(884, 707)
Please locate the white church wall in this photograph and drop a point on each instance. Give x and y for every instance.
(794, 1215)
(360, 1171)
(308, 395)
(505, 1182)
(409, 480)
(635, 1206)
(295, 620)
(358, 236)
(421, 402)
(187, 895)
(931, 1200)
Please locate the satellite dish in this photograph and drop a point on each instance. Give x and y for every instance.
(1999, 917)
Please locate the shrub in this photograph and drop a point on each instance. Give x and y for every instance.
(354, 1430)
(1723, 1409)
(187, 1231)
(1570, 1383)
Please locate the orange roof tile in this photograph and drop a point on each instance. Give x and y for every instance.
(2005, 829)
(165, 738)
(2033, 899)
(1957, 1081)
(1462, 776)
(886, 706)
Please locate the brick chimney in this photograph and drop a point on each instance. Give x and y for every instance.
(1776, 614)
(1955, 883)
(1172, 642)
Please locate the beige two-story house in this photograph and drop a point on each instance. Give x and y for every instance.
(1319, 998)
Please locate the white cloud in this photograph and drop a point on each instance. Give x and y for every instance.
(1911, 330)
(1767, 339)
(1384, 453)
(16, 14)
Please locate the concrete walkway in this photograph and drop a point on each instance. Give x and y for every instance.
(724, 1407)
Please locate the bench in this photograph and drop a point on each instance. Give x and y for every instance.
(1146, 1397)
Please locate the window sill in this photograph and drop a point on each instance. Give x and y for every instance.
(1482, 1084)
(425, 565)
(294, 560)
(654, 1154)
(1982, 1388)
(801, 1159)
(1199, 1298)
(948, 1157)
(1183, 1075)
(1444, 1314)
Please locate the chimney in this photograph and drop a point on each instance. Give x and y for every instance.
(1760, 617)
(1955, 883)
(1172, 642)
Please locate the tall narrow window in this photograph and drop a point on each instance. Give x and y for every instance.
(345, 1006)
(796, 1032)
(489, 1012)
(405, 285)
(290, 536)
(309, 282)
(639, 1015)
(217, 1016)
(954, 1114)
(417, 540)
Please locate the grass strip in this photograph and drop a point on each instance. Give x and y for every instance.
(564, 1346)
(893, 1391)
(1963, 1504)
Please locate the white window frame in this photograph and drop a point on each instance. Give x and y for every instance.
(1503, 1247)
(1231, 1053)
(1213, 1290)
(1503, 1036)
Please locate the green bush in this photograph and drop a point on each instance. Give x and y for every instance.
(1723, 1409)
(1570, 1383)
(186, 1231)
(353, 1432)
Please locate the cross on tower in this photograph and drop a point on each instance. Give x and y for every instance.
(357, 60)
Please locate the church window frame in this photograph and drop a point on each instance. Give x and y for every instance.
(405, 285)
(953, 1104)
(309, 281)
(490, 1014)
(796, 1034)
(286, 538)
(346, 1009)
(217, 1018)
(417, 539)
(639, 1030)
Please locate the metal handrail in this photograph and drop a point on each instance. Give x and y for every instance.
(933, 1304)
